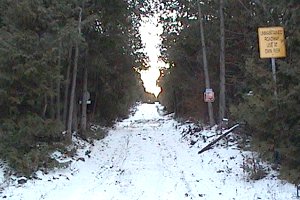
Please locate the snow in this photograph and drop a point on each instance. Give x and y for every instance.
(145, 157)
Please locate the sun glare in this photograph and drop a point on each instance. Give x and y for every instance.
(149, 78)
(150, 33)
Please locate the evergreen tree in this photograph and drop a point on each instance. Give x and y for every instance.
(272, 122)
(40, 42)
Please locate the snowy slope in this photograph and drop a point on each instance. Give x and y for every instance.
(145, 157)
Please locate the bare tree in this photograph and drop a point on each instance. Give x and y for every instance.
(58, 83)
(72, 97)
(205, 66)
(222, 102)
(67, 85)
(84, 101)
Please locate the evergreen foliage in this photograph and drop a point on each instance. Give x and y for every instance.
(37, 51)
(183, 84)
(273, 122)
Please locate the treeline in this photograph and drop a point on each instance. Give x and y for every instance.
(272, 120)
(64, 64)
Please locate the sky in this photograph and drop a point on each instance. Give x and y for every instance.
(150, 33)
(149, 156)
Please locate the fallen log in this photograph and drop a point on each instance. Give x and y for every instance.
(209, 146)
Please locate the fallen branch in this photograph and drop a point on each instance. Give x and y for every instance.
(209, 146)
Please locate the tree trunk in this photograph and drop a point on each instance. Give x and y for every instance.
(94, 107)
(96, 98)
(58, 116)
(45, 106)
(222, 102)
(52, 107)
(175, 104)
(72, 97)
(67, 85)
(205, 66)
(84, 102)
(75, 116)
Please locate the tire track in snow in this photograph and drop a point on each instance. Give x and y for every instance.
(171, 161)
(144, 159)
(114, 168)
(144, 141)
(110, 170)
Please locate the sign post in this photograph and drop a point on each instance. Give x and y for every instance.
(272, 45)
(274, 76)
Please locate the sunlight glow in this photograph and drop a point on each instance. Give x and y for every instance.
(150, 33)
(149, 78)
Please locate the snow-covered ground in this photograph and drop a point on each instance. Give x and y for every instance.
(145, 157)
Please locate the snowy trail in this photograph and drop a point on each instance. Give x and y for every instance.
(145, 158)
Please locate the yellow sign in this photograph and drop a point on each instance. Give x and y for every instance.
(271, 42)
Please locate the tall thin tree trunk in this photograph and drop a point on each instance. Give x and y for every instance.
(205, 66)
(222, 102)
(67, 85)
(84, 101)
(72, 97)
(58, 108)
(52, 107)
(45, 106)
(95, 106)
(175, 103)
(75, 116)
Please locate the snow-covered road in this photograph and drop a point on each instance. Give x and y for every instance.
(145, 158)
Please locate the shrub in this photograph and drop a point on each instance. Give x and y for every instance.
(253, 167)
(25, 143)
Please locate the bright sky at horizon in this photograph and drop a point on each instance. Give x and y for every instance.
(150, 32)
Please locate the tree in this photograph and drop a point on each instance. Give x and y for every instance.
(205, 66)
(222, 102)
(249, 84)
(83, 123)
(181, 48)
(74, 77)
(41, 44)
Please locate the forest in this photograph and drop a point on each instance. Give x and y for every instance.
(64, 66)
(68, 65)
(214, 44)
